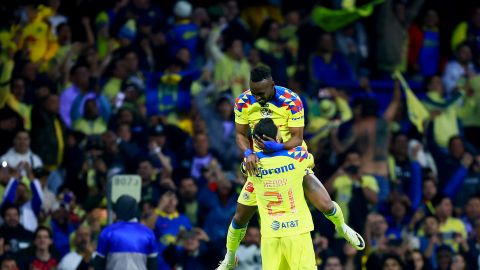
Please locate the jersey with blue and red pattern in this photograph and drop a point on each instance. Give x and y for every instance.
(285, 109)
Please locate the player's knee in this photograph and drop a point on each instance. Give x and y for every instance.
(326, 205)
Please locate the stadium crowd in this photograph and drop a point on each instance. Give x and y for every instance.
(91, 89)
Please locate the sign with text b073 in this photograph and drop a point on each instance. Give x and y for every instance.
(129, 184)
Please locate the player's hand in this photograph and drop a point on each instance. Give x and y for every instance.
(251, 164)
(268, 144)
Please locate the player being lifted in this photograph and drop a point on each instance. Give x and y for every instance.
(265, 100)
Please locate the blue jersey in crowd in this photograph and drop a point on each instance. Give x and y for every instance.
(127, 245)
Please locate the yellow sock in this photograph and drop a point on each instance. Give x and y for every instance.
(336, 216)
(234, 237)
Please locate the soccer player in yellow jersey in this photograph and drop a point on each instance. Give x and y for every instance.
(277, 189)
(284, 107)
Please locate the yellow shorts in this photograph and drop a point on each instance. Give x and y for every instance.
(288, 253)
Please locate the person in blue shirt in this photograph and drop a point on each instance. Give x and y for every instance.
(126, 244)
(184, 33)
(169, 92)
(329, 67)
(169, 224)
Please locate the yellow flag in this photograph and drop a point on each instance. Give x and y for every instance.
(417, 113)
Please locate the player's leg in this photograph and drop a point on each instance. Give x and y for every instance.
(272, 254)
(236, 232)
(320, 199)
(299, 253)
(246, 208)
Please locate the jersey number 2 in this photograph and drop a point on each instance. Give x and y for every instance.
(279, 201)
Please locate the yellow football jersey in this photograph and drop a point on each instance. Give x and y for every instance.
(279, 192)
(285, 109)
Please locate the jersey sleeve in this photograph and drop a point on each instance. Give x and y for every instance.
(152, 244)
(240, 110)
(248, 194)
(103, 244)
(296, 115)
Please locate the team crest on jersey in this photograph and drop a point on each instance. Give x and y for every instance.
(246, 196)
(265, 111)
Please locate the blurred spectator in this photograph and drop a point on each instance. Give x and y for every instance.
(189, 203)
(424, 46)
(42, 256)
(453, 166)
(443, 110)
(36, 40)
(169, 92)
(249, 256)
(48, 135)
(235, 27)
(431, 239)
(328, 67)
(368, 133)
(333, 262)
(472, 213)
(202, 158)
(355, 191)
(352, 42)
(184, 33)
(232, 70)
(20, 155)
(25, 192)
(116, 74)
(62, 228)
(192, 250)
(452, 229)
(80, 77)
(376, 233)
(394, 18)
(12, 94)
(8, 263)
(169, 224)
(458, 262)
(429, 192)
(405, 173)
(49, 199)
(150, 180)
(91, 123)
(274, 52)
(220, 118)
(456, 69)
(160, 151)
(467, 32)
(417, 261)
(473, 258)
(392, 262)
(444, 257)
(15, 235)
(221, 205)
(79, 258)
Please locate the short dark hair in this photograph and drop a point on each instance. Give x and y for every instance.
(391, 256)
(439, 199)
(8, 206)
(265, 127)
(260, 73)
